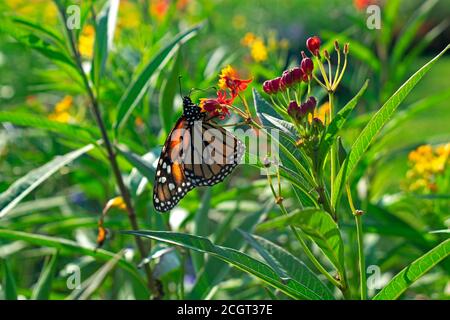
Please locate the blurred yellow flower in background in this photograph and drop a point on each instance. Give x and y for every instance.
(259, 49)
(129, 16)
(427, 165)
(322, 113)
(61, 111)
(86, 41)
(47, 10)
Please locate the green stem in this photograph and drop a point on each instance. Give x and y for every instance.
(361, 259)
(333, 152)
(362, 263)
(301, 240)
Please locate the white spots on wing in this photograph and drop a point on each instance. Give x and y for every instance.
(171, 186)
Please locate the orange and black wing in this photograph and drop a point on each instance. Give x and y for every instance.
(213, 155)
(171, 184)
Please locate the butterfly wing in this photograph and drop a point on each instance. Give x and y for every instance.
(195, 154)
(171, 184)
(219, 152)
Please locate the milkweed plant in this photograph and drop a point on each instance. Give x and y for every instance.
(304, 237)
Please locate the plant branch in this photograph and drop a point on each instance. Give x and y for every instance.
(111, 156)
(361, 259)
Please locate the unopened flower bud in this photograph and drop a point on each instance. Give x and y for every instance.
(346, 48)
(287, 78)
(297, 74)
(336, 45)
(267, 87)
(275, 85)
(307, 66)
(294, 110)
(313, 45)
(309, 105)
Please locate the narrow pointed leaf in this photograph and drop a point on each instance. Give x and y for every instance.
(234, 257)
(138, 87)
(376, 123)
(288, 265)
(22, 187)
(319, 226)
(9, 284)
(44, 284)
(405, 278)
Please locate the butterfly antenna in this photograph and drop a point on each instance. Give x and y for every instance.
(200, 89)
(179, 83)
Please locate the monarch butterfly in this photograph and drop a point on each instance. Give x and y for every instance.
(197, 152)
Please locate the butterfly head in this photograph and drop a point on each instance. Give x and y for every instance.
(191, 110)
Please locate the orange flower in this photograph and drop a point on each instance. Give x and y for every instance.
(159, 8)
(229, 79)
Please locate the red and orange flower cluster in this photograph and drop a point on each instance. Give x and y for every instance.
(230, 85)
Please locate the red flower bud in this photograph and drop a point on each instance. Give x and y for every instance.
(294, 110)
(297, 74)
(309, 105)
(267, 87)
(275, 84)
(313, 45)
(307, 65)
(287, 78)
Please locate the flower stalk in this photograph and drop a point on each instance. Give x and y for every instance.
(111, 154)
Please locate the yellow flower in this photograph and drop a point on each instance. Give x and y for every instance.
(322, 113)
(129, 16)
(86, 41)
(63, 117)
(427, 164)
(64, 104)
(258, 50)
(248, 39)
(61, 113)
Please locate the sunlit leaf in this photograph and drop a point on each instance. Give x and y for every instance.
(22, 187)
(405, 278)
(236, 258)
(376, 123)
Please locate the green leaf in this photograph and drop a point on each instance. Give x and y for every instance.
(234, 257)
(68, 247)
(89, 286)
(104, 34)
(72, 131)
(143, 164)
(410, 30)
(167, 96)
(201, 227)
(40, 29)
(9, 284)
(214, 270)
(376, 123)
(43, 287)
(138, 87)
(405, 278)
(287, 156)
(22, 187)
(319, 226)
(287, 265)
(338, 122)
